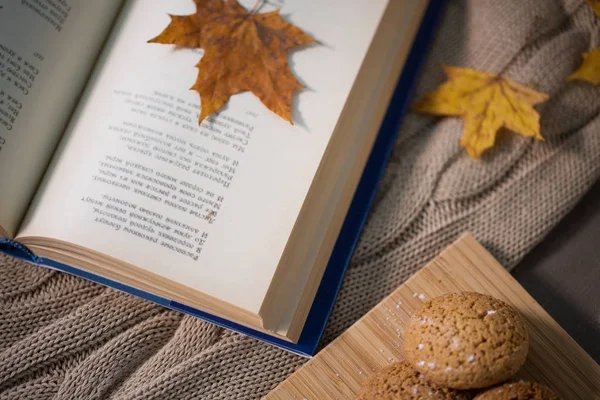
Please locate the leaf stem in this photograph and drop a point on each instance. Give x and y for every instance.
(256, 7)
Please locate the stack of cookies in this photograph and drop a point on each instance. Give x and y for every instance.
(460, 346)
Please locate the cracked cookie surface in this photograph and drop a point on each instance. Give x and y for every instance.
(466, 340)
(400, 381)
(518, 391)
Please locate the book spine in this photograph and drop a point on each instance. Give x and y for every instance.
(16, 249)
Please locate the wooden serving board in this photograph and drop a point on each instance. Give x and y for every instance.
(375, 341)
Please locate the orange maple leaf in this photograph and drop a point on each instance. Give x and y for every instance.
(487, 103)
(243, 51)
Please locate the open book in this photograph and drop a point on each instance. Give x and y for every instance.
(106, 173)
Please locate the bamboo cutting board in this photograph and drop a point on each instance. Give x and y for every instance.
(375, 341)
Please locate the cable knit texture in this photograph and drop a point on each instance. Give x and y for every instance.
(65, 338)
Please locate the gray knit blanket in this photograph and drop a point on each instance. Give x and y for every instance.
(62, 337)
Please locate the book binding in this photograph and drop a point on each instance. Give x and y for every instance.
(343, 250)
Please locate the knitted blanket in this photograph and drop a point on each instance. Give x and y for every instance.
(65, 338)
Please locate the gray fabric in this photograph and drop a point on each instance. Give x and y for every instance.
(65, 338)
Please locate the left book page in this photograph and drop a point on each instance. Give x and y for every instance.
(47, 50)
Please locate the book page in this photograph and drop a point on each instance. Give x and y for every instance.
(209, 206)
(47, 49)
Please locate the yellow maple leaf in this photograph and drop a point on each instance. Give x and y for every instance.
(487, 103)
(589, 69)
(595, 5)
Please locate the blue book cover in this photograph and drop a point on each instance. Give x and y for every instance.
(340, 258)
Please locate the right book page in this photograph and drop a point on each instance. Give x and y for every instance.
(209, 206)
